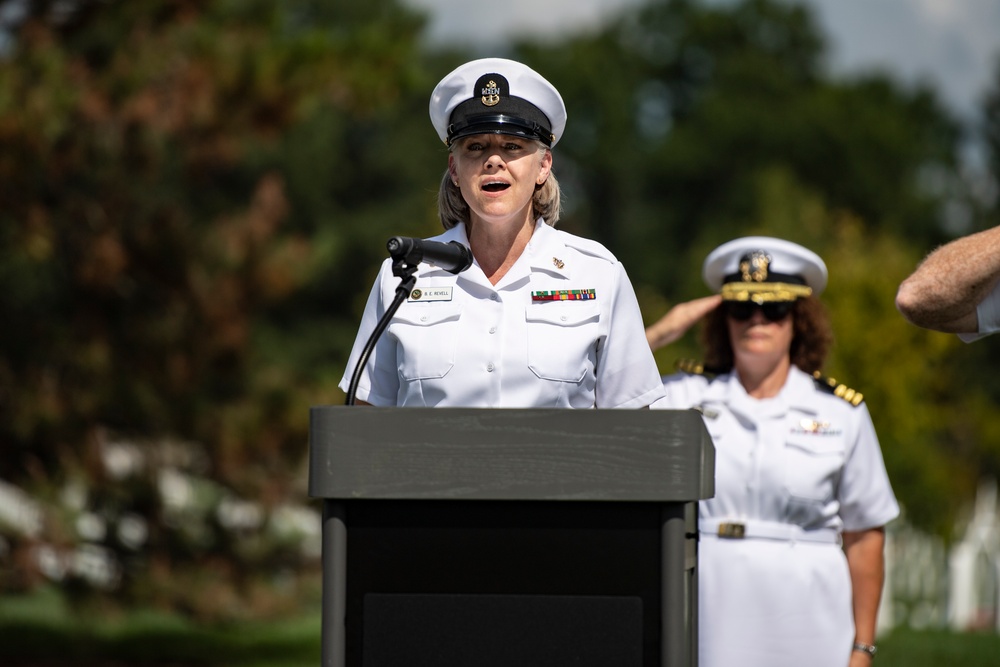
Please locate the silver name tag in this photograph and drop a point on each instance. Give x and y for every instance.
(431, 294)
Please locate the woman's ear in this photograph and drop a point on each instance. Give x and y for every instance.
(545, 168)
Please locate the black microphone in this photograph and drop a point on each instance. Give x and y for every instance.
(452, 257)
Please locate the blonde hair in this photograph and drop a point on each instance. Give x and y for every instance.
(453, 209)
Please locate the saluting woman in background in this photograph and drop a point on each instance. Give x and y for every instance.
(791, 555)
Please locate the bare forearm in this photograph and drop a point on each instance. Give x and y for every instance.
(865, 552)
(678, 320)
(945, 289)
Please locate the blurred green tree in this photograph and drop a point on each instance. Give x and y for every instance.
(190, 194)
(678, 105)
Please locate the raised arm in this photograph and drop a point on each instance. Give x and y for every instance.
(678, 320)
(944, 291)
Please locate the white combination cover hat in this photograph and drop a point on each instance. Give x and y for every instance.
(761, 269)
(497, 96)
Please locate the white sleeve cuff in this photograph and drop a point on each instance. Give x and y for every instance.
(988, 313)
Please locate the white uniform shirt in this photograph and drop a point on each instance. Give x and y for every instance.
(804, 457)
(467, 343)
(988, 313)
(795, 470)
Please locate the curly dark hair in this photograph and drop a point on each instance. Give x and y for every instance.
(811, 337)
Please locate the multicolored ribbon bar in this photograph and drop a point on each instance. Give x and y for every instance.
(564, 295)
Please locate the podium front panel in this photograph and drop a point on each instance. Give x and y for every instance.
(502, 630)
(571, 567)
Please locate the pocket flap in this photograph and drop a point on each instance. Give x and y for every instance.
(427, 314)
(817, 444)
(566, 314)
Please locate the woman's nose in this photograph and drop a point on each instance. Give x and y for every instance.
(493, 159)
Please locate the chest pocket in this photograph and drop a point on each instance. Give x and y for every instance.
(562, 340)
(426, 338)
(812, 465)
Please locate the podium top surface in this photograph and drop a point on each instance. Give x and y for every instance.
(358, 453)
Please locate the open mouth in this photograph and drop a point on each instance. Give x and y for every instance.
(497, 186)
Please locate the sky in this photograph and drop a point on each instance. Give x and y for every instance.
(952, 45)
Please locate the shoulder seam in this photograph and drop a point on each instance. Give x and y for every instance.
(587, 246)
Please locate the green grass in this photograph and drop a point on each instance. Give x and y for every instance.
(905, 647)
(40, 631)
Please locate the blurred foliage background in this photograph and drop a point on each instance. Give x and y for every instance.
(195, 197)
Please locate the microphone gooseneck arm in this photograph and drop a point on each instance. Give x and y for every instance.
(406, 254)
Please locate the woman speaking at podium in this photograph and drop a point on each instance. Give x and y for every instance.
(541, 318)
(791, 549)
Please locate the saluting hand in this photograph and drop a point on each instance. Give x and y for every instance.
(679, 319)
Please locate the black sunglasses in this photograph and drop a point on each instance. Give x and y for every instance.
(774, 311)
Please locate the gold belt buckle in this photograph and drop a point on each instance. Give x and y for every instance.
(732, 530)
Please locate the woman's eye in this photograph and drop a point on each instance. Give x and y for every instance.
(507, 146)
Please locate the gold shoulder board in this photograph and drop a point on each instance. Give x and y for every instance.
(837, 389)
(691, 367)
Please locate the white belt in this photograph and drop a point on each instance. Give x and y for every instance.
(740, 529)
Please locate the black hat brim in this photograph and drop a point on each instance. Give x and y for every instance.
(512, 116)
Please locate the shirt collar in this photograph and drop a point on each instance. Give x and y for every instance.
(798, 390)
(546, 252)
(456, 233)
(793, 396)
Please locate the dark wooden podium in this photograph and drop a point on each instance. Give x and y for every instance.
(456, 536)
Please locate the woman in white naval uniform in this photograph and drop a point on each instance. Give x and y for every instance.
(791, 555)
(542, 318)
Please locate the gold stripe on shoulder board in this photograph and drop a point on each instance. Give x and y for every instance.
(690, 366)
(840, 390)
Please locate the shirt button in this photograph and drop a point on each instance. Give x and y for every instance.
(423, 318)
(494, 297)
(490, 367)
(562, 318)
(493, 330)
